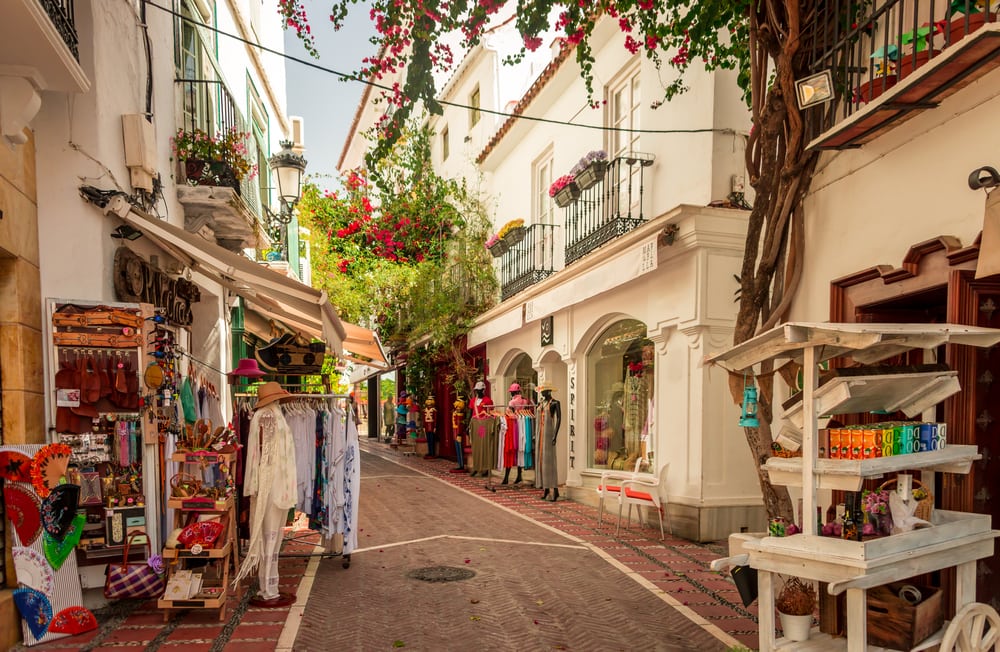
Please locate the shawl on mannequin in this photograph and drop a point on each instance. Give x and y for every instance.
(270, 475)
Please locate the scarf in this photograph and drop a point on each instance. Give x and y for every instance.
(270, 476)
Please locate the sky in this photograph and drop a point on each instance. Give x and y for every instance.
(326, 103)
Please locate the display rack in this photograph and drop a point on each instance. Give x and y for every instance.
(214, 562)
(956, 539)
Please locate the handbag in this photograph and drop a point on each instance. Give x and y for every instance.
(136, 579)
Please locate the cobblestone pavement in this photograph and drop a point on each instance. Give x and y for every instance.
(545, 578)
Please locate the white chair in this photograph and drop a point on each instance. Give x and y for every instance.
(610, 486)
(976, 628)
(645, 490)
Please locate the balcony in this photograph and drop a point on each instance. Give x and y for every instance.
(609, 209)
(893, 58)
(231, 215)
(529, 261)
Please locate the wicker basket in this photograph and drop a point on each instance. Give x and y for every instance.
(925, 507)
(184, 485)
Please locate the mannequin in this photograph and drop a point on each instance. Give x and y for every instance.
(482, 432)
(430, 425)
(388, 418)
(549, 420)
(457, 427)
(516, 402)
(617, 418)
(270, 480)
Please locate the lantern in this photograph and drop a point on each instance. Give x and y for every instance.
(748, 418)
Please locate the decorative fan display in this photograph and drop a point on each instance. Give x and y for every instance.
(23, 512)
(36, 610)
(59, 509)
(205, 533)
(48, 467)
(73, 621)
(33, 570)
(57, 551)
(15, 466)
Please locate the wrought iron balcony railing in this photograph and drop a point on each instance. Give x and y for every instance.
(62, 16)
(609, 209)
(529, 261)
(872, 46)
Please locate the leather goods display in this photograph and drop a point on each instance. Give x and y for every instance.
(136, 580)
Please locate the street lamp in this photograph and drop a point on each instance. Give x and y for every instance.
(288, 168)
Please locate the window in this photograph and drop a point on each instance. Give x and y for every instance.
(257, 149)
(543, 209)
(194, 68)
(623, 113)
(444, 144)
(620, 381)
(474, 108)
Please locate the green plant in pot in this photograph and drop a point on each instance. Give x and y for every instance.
(796, 603)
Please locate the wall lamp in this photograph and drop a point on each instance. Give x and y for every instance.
(288, 167)
(126, 232)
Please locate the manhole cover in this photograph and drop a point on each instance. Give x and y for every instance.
(441, 574)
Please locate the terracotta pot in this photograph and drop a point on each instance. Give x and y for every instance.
(957, 29)
(907, 64)
(872, 89)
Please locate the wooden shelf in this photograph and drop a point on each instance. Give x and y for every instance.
(207, 553)
(193, 603)
(908, 393)
(849, 474)
(178, 503)
(199, 457)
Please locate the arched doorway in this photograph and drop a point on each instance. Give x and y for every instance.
(522, 372)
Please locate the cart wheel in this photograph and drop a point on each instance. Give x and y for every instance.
(976, 628)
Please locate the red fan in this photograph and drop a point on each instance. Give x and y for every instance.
(48, 467)
(24, 512)
(205, 533)
(15, 466)
(73, 621)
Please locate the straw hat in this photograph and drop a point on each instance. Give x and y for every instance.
(545, 387)
(247, 367)
(269, 393)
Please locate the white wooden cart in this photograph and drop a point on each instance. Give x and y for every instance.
(956, 540)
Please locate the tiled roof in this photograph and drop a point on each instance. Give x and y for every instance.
(548, 73)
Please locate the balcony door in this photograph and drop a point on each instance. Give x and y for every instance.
(623, 111)
(194, 68)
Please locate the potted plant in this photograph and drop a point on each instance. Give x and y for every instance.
(590, 170)
(564, 190)
(512, 232)
(971, 18)
(795, 605)
(220, 160)
(496, 246)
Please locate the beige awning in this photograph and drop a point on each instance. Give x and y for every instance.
(286, 299)
(363, 346)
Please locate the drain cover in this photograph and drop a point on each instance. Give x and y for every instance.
(441, 574)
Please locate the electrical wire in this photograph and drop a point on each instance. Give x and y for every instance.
(457, 105)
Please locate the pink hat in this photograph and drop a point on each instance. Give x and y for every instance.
(514, 387)
(247, 367)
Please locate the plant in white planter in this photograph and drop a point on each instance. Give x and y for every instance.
(795, 605)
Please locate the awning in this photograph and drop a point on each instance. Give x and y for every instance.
(363, 346)
(286, 299)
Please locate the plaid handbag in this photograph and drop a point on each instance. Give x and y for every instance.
(133, 580)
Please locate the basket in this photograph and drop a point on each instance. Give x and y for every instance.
(925, 507)
(184, 485)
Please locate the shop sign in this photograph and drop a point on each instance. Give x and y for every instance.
(136, 281)
(546, 328)
(572, 416)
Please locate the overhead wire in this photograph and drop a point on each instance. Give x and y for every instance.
(458, 105)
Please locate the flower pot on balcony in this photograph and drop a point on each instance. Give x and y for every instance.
(514, 236)
(907, 64)
(872, 89)
(567, 195)
(958, 30)
(499, 248)
(591, 175)
(211, 173)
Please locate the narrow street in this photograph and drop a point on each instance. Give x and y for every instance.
(531, 574)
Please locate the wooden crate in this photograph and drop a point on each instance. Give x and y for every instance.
(895, 623)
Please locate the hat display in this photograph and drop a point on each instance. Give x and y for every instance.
(269, 393)
(480, 385)
(403, 394)
(24, 513)
(514, 387)
(545, 387)
(15, 466)
(73, 620)
(248, 368)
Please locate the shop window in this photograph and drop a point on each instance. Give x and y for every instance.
(620, 396)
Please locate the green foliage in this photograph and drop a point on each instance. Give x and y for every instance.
(400, 249)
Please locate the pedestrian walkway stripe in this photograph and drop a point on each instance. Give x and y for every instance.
(286, 640)
(467, 538)
(682, 609)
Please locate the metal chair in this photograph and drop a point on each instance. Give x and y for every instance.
(645, 490)
(610, 486)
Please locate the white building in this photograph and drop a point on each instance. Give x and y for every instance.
(617, 297)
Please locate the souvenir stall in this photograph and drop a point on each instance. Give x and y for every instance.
(873, 566)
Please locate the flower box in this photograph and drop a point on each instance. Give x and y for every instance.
(499, 248)
(211, 173)
(592, 174)
(957, 29)
(907, 65)
(567, 194)
(870, 90)
(514, 236)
